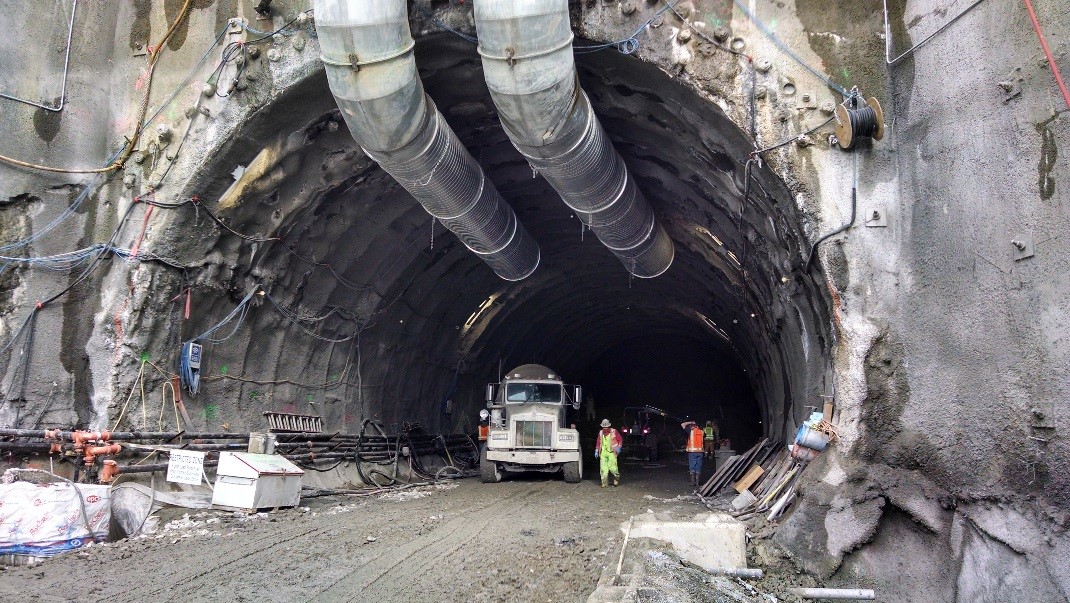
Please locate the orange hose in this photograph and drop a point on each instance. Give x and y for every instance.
(1047, 52)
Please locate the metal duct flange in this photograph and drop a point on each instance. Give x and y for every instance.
(367, 50)
(526, 47)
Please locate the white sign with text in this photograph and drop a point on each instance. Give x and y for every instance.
(185, 467)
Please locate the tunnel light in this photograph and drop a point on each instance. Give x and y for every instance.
(710, 235)
(625, 430)
(713, 326)
(478, 312)
(646, 431)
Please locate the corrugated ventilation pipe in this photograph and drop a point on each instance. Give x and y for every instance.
(368, 52)
(526, 47)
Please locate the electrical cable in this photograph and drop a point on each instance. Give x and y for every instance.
(128, 150)
(795, 138)
(438, 23)
(846, 225)
(706, 38)
(630, 44)
(788, 51)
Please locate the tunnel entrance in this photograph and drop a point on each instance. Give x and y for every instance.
(736, 330)
(685, 376)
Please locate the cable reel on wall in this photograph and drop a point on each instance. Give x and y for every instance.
(858, 118)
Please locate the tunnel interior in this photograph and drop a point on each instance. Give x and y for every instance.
(736, 330)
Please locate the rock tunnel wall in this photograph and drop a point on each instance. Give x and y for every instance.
(944, 349)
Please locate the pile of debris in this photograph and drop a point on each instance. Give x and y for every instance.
(766, 477)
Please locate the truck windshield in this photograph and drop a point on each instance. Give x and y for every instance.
(516, 393)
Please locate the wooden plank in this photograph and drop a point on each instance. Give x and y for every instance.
(748, 458)
(775, 465)
(764, 502)
(719, 474)
(767, 481)
(737, 468)
(827, 412)
(748, 478)
(723, 476)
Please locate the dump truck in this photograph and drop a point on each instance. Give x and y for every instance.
(526, 415)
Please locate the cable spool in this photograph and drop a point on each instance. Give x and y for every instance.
(866, 121)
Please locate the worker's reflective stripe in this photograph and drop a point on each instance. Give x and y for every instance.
(484, 431)
(694, 441)
(708, 432)
(607, 443)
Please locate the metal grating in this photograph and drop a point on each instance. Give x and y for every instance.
(286, 422)
(534, 434)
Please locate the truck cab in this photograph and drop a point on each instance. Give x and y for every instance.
(527, 429)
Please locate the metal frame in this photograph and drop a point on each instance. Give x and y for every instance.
(66, 66)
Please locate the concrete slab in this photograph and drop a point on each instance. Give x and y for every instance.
(709, 540)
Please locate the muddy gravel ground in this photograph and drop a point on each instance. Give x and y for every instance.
(530, 538)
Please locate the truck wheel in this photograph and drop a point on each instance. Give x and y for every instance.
(488, 470)
(573, 471)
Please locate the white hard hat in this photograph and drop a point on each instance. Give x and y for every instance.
(605, 422)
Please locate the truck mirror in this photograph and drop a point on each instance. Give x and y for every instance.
(577, 397)
(492, 392)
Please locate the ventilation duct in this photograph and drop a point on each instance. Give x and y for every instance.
(368, 53)
(526, 46)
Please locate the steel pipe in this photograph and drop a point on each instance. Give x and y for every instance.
(526, 48)
(840, 594)
(368, 53)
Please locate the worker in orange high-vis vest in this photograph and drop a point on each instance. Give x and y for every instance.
(694, 450)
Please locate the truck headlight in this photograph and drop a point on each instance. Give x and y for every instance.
(566, 437)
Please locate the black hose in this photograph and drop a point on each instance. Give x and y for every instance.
(845, 226)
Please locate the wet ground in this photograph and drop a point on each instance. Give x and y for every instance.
(526, 539)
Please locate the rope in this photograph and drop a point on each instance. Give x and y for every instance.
(128, 150)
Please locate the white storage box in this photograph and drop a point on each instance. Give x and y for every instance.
(246, 481)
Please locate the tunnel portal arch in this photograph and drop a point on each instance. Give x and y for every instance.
(435, 323)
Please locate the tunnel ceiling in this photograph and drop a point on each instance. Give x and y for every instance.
(353, 241)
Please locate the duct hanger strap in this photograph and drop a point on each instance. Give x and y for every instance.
(511, 57)
(354, 63)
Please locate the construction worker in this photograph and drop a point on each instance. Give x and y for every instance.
(694, 450)
(606, 450)
(709, 439)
